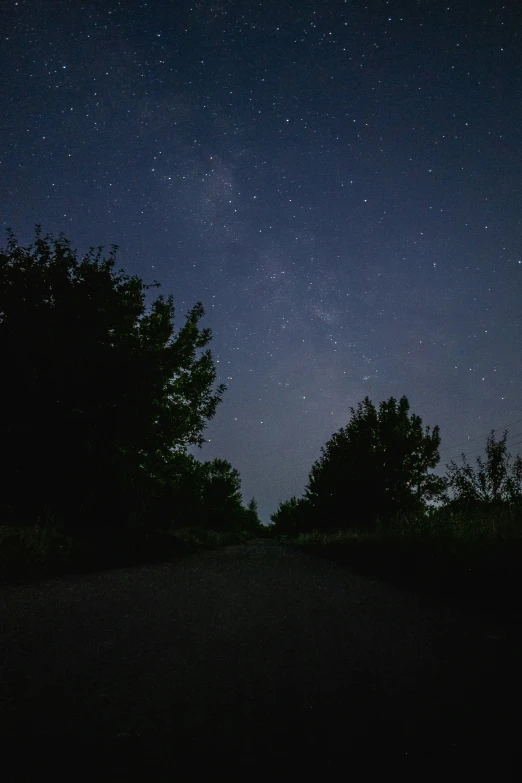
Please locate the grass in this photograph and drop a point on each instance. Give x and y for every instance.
(35, 550)
(31, 552)
(197, 538)
(476, 555)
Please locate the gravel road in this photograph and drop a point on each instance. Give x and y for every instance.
(253, 650)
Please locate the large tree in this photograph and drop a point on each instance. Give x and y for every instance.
(375, 466)
(98, 390)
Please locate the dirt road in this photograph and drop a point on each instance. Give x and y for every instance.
(253, 650)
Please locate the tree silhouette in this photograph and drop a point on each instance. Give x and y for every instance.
(99, 392)
(374, 467)
(221, 493)
(497, 480)
(201, 494)
(253, 510)
(252, 522)
(292, 517)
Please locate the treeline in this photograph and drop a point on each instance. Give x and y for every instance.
(101, 400)
(377, 468)
(371, 501)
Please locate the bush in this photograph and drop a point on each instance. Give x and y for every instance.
(195, 538)
(33, 551)
(443, 551)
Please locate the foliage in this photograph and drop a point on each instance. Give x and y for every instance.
(374, 467)
(197, 538)
(474, 553)
(221, 495)
(199, 494)
(252, 522)
(35, 550)
(291, 517)
(101, 400)
(496, 481)
(484, 523)
(101, 392)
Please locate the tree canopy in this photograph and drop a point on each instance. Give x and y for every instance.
(292, 517)
(374, 467)
(100, 391)
(496, 480)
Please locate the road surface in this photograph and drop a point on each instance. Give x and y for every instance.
(253, 651)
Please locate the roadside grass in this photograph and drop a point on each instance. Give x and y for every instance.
(475, 555)
(32, 552)
(197, 538)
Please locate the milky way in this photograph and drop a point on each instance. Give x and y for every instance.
(338, 183)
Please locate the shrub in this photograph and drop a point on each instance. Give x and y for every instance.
(33, 550)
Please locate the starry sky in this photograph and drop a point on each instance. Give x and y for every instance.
(340, 184)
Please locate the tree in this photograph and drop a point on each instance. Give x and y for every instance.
(292, 517)
(251, 516)
(177, 499)
(98, 392)
(253, 523)
(498, 480)
(221, 493)
(201, 494)
(374, 467)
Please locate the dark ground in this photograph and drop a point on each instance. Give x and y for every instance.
(256, 654)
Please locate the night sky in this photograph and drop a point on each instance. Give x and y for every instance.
(338, 182)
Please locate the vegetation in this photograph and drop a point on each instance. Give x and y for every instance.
(101, 401)
(371, 469)
(496, 481)
(469, 543)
